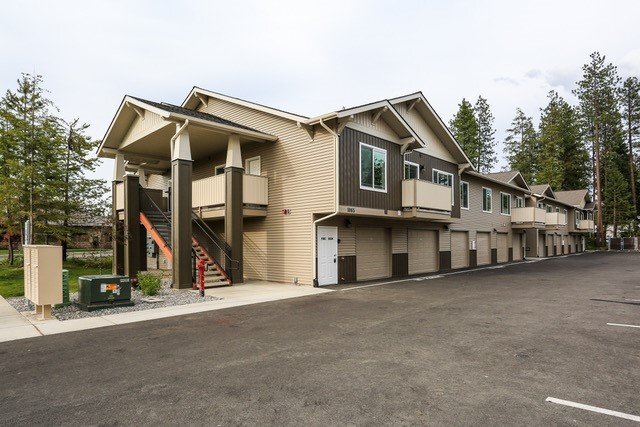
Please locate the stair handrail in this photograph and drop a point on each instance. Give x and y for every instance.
(222, 245)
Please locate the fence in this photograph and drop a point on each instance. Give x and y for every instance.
(622, 243)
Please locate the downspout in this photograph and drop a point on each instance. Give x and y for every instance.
(337, 200)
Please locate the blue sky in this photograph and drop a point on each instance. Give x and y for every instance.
(312, 57)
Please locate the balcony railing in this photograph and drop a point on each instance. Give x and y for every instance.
(211, 191)
(528, 215)
(585, 224)
(421, 194)
(556, 218)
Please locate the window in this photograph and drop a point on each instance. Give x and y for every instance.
(505, 204)
(411, 170)
(219, 170)
(577, 218)
(519, 202)
(487, 195)
(540, 205)
(373, 168)
(444, 178)
(557, 210)
(565, 214)
(549, 208)
(464, 195)
(252, 166)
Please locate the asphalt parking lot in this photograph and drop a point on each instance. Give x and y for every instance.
(482, 347)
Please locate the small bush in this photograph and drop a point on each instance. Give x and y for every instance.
(149, 284)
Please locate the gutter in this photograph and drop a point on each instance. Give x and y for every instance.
(336, 139)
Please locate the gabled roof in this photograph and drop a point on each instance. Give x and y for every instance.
(192, 101)
(543, 190)
(510, 177)
(436, 124)
(131, 107)
(489, 177)
(577, 198)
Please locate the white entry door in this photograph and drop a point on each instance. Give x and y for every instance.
(327, 255)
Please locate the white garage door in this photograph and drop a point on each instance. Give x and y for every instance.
(459, 249)
(373, 253)
(517, 247)
(483, 246)
(503, 248)
(423, 251)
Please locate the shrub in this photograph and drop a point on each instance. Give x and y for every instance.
(149, 284)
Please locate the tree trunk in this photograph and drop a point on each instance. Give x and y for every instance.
(10, 255)
(596, 149)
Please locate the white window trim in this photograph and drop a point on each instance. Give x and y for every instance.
(468, 196)
(520, 198)
(247, 161)
(453, 183)
(407, 162)
(491, 197)
(219, 166)
(386, 172)
(505, 194)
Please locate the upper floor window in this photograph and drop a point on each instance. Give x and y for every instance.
(519, 202)
(558, 210)
(540, 205)
(444, 178)
(411, 170)
(373, 168)
(464, 195)
(505, 204)
(252, 166)
(577, 218)
(549, 208)
(219, 170)
(487, 196)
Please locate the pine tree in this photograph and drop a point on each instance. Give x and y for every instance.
(464, 127)
(522, 146)
(600, 122)
(550, 161)
(630, 100)
(487, 157)
(617, 207)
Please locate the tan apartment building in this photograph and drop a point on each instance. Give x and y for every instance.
(369, 192)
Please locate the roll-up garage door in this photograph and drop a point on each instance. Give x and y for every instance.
(542, 249)
(517, 247)
(483, 246)
(423, 251)
(503, 248)
(571, 248)
(459, 249)
(373, 253)
(550, 244)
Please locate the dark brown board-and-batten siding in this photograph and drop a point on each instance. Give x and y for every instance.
(428, 164)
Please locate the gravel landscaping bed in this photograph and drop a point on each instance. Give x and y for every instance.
(166, 297)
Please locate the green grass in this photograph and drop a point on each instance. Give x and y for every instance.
(12, 277)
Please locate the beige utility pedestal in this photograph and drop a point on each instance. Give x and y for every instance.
(43, 277)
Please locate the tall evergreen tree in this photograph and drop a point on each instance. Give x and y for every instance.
(617, 207)
(600, 121)
(464, 127)
(522, 146)
(487, 157)
(630, 100)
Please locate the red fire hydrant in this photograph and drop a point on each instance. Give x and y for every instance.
(202, 266)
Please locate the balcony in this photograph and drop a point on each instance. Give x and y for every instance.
(209, 194)
(585, 225)
(425, 199)
(556, 219)
(529, 217)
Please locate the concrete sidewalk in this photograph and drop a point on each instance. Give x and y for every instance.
(15, 325)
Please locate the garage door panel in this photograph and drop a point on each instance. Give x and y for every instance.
(542, 249)
(483, 247)
(459, 249)
(517, 247)
(373, 253)
(503, 248)
(423, 251)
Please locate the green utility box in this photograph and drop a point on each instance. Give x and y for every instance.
(103, 291)
(65, 290)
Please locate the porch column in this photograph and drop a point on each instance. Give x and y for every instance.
(131, 225)
(181, 210)
(234, 172)
(117, 230)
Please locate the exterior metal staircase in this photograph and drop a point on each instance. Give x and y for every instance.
(205, 244)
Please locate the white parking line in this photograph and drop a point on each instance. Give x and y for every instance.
(622, 324)
(416, 279)
(630, 417)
